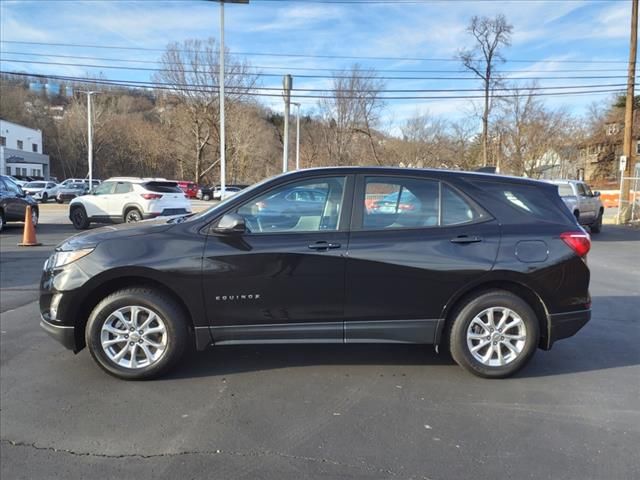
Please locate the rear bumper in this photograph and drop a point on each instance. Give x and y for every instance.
(564, 325)
(62, 333)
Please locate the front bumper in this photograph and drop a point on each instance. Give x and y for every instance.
(64, 334)
(564, 325)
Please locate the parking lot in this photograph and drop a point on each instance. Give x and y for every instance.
(366, 411)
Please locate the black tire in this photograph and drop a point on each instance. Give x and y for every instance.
(132, 215)
(79, 218)
(463, 317)
(59, 200)
(2, 221)
(206, 198)
(576, 214)
(45, 197)
(596, 227)
(177, 333)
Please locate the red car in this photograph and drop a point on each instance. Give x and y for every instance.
(189, 188)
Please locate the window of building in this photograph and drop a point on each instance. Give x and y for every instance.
(20, 145)
(8, 169)
(34, 147)
(3, 141)
(638, 147)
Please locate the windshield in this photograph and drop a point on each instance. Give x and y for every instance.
(35, 185)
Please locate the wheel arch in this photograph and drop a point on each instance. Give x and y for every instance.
(523, 291)
(130, 206)
(113, 283)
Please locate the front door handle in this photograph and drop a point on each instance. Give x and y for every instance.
(324, 246)
(466, 239)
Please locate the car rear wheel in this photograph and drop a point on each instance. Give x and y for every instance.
(494, 334)
(79, 218)
(2, 220)
(206, 198)
(132, 215)
(596, 227)
(137, 333)
(45, 197)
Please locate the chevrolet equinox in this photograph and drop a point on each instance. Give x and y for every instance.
(489, 267)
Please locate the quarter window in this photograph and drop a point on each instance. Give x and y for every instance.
(309, 206)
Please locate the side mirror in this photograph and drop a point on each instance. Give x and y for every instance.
(596, 194)
(231, 223)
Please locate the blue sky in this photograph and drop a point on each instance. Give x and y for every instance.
(548, 33)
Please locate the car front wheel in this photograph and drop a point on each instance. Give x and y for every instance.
(79, 218)
(494, 334)
(136, 333)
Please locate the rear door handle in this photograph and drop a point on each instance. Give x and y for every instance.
(466, 239)
(324, 246)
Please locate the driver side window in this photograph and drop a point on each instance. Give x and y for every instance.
(306, 206)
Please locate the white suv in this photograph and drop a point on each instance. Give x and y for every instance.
(125, 199)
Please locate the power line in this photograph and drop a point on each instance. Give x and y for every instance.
(197, 89)
(314, 69)
(301, 55)
(277, 75)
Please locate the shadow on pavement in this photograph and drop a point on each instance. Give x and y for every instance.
(608, 341)
(616, 233)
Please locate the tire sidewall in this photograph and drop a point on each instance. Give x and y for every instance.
(129, 212)
(2, 221)
(458, 336)
(79, 225)
(170, 314)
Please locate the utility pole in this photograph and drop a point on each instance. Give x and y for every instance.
(287, 83)
(90, 135)
(297, 105)
(624, 214)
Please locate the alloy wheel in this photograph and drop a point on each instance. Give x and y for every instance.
(496, 336)
(133, 216)
(134, 337)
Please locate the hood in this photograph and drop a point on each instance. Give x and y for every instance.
(92, 237)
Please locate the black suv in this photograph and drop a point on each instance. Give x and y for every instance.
(14, 203)
(489, 267)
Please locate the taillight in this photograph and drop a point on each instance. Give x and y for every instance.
(578, 241)
(151, 196)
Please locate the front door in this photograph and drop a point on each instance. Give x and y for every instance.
(96, 203)
(414, 243)
(282, 280)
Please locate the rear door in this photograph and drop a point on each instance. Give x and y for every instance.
(587, 210)
(122, 195)
(407, 259)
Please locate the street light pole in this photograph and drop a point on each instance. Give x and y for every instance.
(90, 135)
(223, 163)
(297, 105)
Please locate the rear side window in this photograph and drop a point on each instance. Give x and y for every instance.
(520, 202)
(162, 187)
(565, 190)
(122, 187)
(396, 203)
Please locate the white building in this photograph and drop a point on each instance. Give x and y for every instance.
(21, 151)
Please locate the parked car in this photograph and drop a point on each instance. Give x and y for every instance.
(491, 288)
(71, 190)
(94, 182)
(190, 189)
(41, 190)
(585, 205)
(128, 199)
(213, 192)
(14, 202)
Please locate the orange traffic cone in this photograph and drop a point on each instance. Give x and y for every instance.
(29, 234)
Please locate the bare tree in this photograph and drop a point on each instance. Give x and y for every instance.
(490, 36)
(190, 70)
(352, 111)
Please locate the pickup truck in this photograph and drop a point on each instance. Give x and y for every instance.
(583, 203)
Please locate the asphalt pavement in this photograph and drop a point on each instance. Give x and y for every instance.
(320, 411)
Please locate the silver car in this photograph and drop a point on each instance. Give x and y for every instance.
(583, 203)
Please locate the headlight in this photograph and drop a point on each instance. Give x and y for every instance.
(60, 259)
